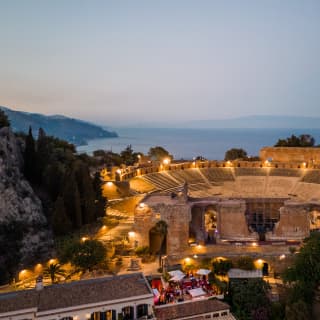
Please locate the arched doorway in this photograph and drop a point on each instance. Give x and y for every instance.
(265, 269)
(158, 238)
(210, 223)
(315, 219)
(203, 224)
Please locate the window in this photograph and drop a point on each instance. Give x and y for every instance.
(142, 310)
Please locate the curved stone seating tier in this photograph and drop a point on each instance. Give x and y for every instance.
(312, 176)
(208, 192)
(250, 171)
(161, 180)
(218, 174)
(285, 172)
(306, 191)
(281, 186)
(141, 185)
(191, 176)
(247, 186)
(232, 182)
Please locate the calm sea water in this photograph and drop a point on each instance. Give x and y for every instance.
(190, 143)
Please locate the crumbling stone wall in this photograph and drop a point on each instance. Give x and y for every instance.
(294, 223)
(290, 154)
(177, 215)
(232, 224)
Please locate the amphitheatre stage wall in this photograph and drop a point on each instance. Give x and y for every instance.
(232, 224)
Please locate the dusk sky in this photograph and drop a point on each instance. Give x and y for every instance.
(125, 62)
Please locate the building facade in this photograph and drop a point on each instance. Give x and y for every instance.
(110, 298)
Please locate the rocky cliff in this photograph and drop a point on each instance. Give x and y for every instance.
(18, 202)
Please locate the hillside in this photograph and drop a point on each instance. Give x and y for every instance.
(69, 129)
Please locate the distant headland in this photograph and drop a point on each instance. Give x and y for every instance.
(75, 131)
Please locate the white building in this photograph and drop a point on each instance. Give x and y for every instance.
(110, 298)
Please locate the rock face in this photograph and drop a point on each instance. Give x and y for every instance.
(18, 201)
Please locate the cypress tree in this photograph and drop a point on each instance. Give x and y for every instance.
(100, 202)
(42, 154)
(86, 192)
(61, 224)
(71, 199)
(30, 165)
(53, 179)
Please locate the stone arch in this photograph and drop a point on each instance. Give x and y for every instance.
(210, 223)
(314, 215)
(203, 224)
(155, 242)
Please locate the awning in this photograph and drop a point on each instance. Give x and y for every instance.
(156, 292)
(203, 272)
(176, 273)
(177, 277)
(197, 292)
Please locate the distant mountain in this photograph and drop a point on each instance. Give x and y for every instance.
(69, 129)
(264, 121)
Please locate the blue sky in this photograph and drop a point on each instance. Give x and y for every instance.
(123, 62)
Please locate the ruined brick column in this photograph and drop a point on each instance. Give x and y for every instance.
(232, 224)
(175, 212)
(294, 223)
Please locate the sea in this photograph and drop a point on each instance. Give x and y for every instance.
(188, 144)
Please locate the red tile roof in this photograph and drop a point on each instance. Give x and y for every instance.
(194, 308)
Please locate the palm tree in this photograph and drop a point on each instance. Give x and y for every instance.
(161, 228)
(54, 270)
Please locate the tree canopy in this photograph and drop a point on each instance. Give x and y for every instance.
(234, 153)
(84, 255)
(159, 153)
(222, 266)
(54, 270)
(128, 156)
(70, 196)
(304, 140)
(303, 276)
(249, 299)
